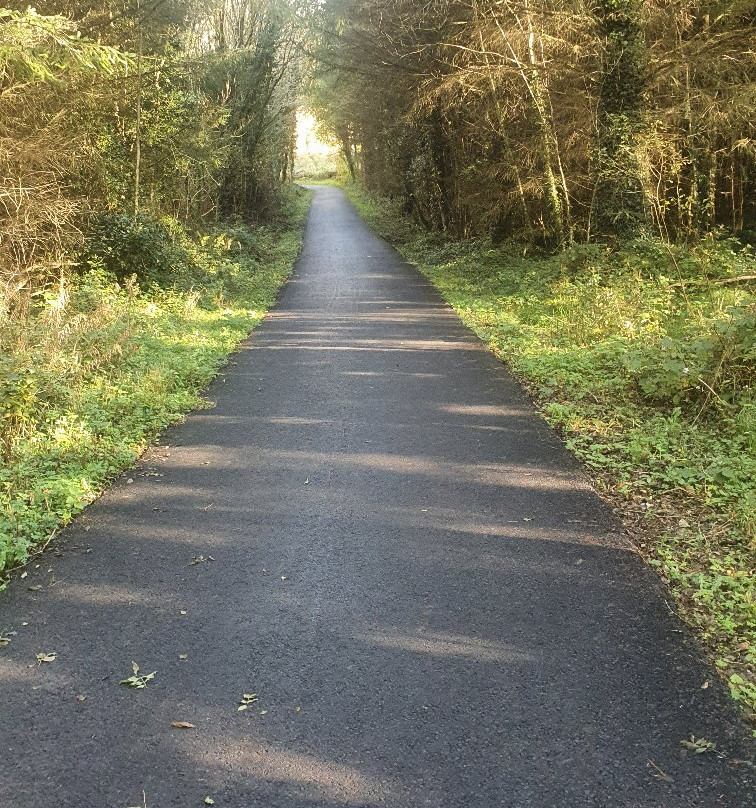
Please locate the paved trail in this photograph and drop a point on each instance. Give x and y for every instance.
(415, 578)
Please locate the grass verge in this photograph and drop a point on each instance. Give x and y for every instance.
(643, 357)
(92, 369)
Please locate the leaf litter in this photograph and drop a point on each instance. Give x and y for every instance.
(6, 637)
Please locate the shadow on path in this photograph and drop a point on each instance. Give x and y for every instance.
(431, 603)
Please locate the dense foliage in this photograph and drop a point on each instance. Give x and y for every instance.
(556, 120)
(158, 107)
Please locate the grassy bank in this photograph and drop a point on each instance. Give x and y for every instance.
(644, 359)
(95, 365)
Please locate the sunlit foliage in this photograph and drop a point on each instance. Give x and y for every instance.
(556, 120)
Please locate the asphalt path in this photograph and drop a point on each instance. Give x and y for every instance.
(410, 572)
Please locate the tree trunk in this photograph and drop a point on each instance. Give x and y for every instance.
(619, 203)
(138, 122)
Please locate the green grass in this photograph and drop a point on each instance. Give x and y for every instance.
(94, 370)
(643, 358)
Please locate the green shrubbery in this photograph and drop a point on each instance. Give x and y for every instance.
(644, 357)
(96, 364)
(126, 246)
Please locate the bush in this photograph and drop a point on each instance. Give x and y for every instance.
(125, 245)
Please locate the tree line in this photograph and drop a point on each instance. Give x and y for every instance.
(558, 120)
(114, 113)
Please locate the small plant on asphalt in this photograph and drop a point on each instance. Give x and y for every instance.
(699, 745)
(136, 681)
(248, 699)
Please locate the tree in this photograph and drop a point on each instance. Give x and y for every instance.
(619, 206)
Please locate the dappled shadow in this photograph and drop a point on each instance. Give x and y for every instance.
(374, 533)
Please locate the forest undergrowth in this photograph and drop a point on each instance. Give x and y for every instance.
(643, 357)
(95, 365)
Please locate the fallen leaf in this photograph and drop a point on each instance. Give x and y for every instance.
(263, 712)
(183, 656)
(209, 801)
(47, 657)
(182, 725)
(34, 588)
(658, 773)
(81, 698)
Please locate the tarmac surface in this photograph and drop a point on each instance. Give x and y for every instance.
(410, 572)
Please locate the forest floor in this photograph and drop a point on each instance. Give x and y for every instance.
(642, 358)
(370, 574)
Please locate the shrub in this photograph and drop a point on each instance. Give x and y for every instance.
(126, 245)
